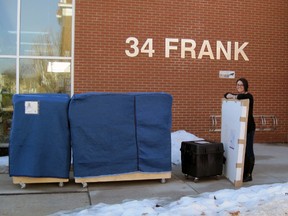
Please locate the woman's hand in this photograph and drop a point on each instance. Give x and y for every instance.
(231, 96)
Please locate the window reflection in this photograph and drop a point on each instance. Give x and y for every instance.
(8, 27)
(44, 76)
(45, 33)
(7, 89)
(45, 28)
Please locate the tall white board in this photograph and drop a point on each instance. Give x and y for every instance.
(234, 119)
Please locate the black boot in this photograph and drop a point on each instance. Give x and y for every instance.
(248, 169)
(247, 178)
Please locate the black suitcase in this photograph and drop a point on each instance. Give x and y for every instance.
(202, 158)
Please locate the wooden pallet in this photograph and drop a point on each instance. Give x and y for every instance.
(125, 177)
(23, 180)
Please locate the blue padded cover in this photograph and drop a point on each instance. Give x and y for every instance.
(103, 134)
(153, 126)
(40, 143)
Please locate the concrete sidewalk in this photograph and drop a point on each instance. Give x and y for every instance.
(44, 199)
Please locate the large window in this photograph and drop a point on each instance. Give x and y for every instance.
(36, 51)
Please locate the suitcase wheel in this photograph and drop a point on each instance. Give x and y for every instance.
(195, 180)
(218, 177)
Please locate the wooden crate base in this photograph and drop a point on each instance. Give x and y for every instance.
(125, 177)
(23, 180)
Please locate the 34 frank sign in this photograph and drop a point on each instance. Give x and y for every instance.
(187, 49)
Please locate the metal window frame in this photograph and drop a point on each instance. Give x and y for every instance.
(18, 57)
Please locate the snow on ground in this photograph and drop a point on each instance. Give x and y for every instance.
(264, 200)
(176, 139)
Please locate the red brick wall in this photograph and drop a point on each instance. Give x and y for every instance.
(102, 27)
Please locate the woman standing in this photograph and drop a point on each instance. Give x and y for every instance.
(242, 88)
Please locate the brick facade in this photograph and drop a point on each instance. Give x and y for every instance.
(102, 27)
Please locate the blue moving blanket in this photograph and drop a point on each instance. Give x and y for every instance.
(103, 134)
(117, 133)
(153, 126)
(40, 136)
